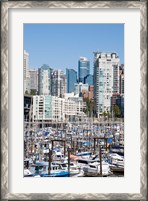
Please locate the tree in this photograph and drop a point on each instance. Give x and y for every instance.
(89, 106)
(108, 115)
(116, 111)
(26, 92)
(33, 92)
(104, 114)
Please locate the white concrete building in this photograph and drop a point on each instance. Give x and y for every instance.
(57, 105)
(106, 79)
(42, 109)
(26, 63)
(44, 80)
(26, 73)
(56, 109)
(81, 105)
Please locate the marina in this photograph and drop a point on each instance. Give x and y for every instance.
(74, 149)
(74, 117)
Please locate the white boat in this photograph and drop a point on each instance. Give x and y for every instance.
(57, 154)
(74, 170)
(116, 159)
(116, 163)
(28, 173)
(93, 169)
(85, 162)
(41, 169)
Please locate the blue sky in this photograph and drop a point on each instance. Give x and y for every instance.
(61, 45)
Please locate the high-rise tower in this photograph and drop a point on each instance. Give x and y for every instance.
(44, 80)
(88, 79)
(83, 69)
(26, 73)
(106, 80)
(121, 79)
(33, 80)
(71, 76)
(58, 83)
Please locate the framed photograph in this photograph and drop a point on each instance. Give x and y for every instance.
(73, 100)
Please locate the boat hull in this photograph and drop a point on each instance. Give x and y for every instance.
(57, 174)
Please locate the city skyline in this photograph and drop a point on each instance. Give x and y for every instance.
(61, 45)
(73, 100)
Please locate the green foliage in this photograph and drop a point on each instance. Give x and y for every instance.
(26, 92)
(33, 92)
(116, 111)
(89, 106)
(106, 115)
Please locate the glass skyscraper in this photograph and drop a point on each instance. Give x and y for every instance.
(88, 79)
(44, 80)
(71, 76)
(83, 68)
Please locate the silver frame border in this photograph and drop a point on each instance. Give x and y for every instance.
(5, 5)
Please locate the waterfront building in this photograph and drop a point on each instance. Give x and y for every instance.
(75, 98)
(120, 103)
(76, 106)
(67, 108)
(70, 108)
(79, 87)
(28, 101)
(53, 108)
(44, 80)
(71, 76)
(57, 106)
(42, 109)
(26, 73)
(118, 100)
(114, 99)
(121, 79)
(58, 83)
(106, 80)
(83, 69)
(33, 80)
(27, 83)
(88, 79)
(26, 63)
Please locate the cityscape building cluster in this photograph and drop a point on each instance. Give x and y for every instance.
(59, 95)
(56, 109)
(106, 80)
